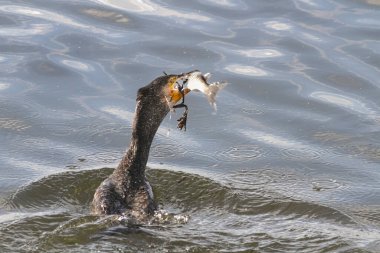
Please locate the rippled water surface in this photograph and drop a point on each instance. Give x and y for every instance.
(289, 163)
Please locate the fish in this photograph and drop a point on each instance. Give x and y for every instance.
(196, 81)
(180, 85)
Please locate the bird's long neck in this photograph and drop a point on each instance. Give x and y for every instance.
(148, 116)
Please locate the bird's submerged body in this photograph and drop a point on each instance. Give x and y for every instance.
(126, 189)
(111, 198)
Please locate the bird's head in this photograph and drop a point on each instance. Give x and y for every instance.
(156, 99)
(175, 89)
(169, 89)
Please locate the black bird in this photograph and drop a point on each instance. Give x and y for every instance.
(126, 190)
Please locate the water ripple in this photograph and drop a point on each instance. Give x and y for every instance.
(48, 16)
(278, 26)
(147, 7)
(259, 53)
(118, 112)
(348, 103)
(253, 179)
(30, 30)
(229, 4)
(326, 184)
(4, 86)
(306, 154)
(241, 153)
(114, 16)
(246, 70)
(167, 150)
(81, 66)
(13, 124)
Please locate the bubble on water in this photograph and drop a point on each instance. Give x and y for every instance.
(164, 217)
(326, 184)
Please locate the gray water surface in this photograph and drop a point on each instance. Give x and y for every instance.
(289, 163)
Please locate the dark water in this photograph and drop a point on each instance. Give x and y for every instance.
(290, 163)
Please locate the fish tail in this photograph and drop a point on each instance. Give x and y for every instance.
(212, 90)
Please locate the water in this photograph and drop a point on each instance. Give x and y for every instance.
(290, 163)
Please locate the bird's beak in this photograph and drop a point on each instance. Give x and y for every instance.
(181, 79)
(175, 94)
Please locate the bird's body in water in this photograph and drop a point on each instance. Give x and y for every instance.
(126, 191)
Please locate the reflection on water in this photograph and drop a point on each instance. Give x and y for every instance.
(343, 101)
(275, 25)
(246, 70)
(259, 53)
(147, 7)
(290, 163)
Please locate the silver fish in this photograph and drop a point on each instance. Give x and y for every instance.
(196, 81)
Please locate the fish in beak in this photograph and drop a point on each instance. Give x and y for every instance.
(176, 92)
(179, 85)
(196, 81)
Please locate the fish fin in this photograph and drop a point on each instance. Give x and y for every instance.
(214, 107)
(213, 89)
(207, 76)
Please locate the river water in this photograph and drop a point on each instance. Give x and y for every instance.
(289, 163)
